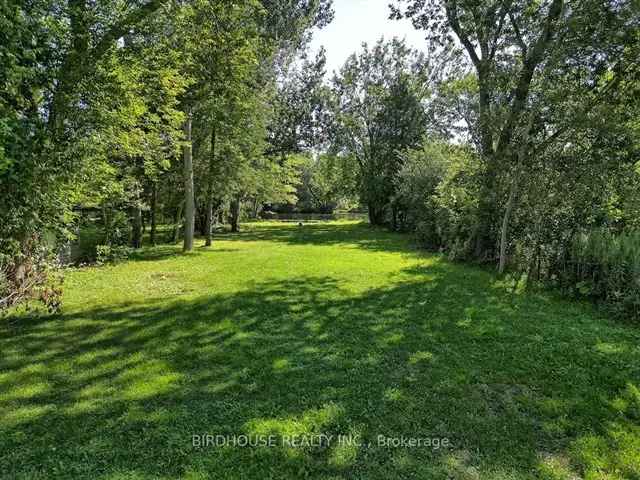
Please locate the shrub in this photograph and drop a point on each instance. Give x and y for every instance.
(31, 274)
(112, 253)
(605, 266)
(437, 196)
(109, 229)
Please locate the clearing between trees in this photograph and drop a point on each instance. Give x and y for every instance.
(307, 333)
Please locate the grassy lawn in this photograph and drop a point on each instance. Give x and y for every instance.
(334, 329)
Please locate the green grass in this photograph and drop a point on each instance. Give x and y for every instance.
(332, 328)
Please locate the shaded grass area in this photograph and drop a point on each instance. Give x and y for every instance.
(335, 329)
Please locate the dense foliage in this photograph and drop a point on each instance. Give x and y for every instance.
(114, 116)
(512, 139)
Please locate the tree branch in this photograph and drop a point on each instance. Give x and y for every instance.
(506, 5)
(526, 74)
(451, 8)
(519, 39)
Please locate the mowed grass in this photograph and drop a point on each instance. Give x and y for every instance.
(331, 328)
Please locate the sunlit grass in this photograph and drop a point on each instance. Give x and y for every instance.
(332, 329)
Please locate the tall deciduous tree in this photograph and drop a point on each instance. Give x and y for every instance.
(510, 44)
(298, 122)
(378, 111)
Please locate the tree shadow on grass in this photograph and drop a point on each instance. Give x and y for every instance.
(350, 235)
(519, 386)
(353, 234)
(164, 252)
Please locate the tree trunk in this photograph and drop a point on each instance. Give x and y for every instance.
(136, 233)
(376, 213)
(256, 208)
(493, 155)
(486, 200)
(513, 194)
(208, 228)
(505, 225)
(484, 120)
(235, 214)
(189, 199)
(177, 222)
(154, 206)
(484, 241)
(394, 218)
(107, 226)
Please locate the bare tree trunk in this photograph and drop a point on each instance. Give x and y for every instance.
(189, 200)
(154, 206)
(208, 228)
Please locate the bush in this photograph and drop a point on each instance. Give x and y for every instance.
(605, 266)
(112, 253)
(28, 275)
(437, 196)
